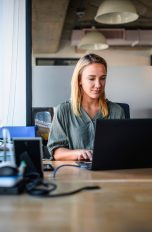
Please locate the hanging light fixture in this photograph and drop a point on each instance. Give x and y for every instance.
(116, 12)
(93, 40)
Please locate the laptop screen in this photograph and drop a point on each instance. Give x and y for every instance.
(122, 144)
(29, 150)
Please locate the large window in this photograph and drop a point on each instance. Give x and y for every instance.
(12, 62)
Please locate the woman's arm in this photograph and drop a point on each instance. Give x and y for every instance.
(57, 136)
(72, 155)
(59, 144)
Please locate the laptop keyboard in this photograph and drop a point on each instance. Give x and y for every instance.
(85, 164)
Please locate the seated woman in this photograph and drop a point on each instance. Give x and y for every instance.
(73, 127)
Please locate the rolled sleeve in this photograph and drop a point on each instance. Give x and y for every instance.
(57, 136)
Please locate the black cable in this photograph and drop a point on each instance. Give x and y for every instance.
(47, 195)
(35, 190)
(36, 186)
(64, 165)
(74, 191)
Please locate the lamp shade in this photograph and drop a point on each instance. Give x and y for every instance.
(116, 12)
(93, 40)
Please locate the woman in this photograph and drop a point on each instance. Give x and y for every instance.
(73, 127)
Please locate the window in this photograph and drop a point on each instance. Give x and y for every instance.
(56, 61)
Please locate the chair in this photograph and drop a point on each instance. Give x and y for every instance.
(43, 121)
(36, 110)
(126, 109)
(19, 131)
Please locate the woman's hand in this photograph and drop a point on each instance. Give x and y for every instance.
(62, 153)
(83, 154)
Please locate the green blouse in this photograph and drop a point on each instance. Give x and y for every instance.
(73, 132)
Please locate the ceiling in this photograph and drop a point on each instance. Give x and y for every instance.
(56, 21)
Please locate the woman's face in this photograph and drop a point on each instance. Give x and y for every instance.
(93, 80)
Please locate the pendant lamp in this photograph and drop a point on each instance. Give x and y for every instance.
(93, 40)
(116, 12)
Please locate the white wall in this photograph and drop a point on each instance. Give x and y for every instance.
(130, 84)
(51, 85)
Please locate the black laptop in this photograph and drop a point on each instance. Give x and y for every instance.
(122, 144)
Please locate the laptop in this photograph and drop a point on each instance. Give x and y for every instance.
(121, 144)
(29, 150)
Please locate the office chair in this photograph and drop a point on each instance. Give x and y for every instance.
(43, 121)
(19, 131)
(126, 109)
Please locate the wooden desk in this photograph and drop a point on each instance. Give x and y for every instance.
(124, 203)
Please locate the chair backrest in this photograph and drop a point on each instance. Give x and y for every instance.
(126, 109)
(36, 110)
(19, 131)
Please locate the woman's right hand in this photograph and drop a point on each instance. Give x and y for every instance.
(83, 154)
(64, 154)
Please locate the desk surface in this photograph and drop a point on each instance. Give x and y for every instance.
(124, 203)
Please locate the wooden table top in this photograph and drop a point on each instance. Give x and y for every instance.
(81, 174)
(123, 203)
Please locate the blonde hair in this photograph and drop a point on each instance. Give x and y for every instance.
(76, 95)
